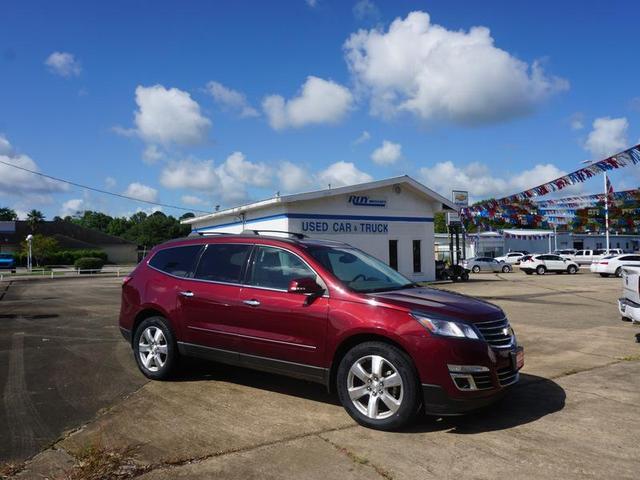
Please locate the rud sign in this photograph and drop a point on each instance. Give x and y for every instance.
(366, 201)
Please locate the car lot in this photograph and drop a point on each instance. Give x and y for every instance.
(63, 363)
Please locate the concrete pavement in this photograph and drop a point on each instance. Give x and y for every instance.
(575, 414)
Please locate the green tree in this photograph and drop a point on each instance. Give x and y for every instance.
(118, 226)
(34, 217)
(95, 220)
(41, 248)
(8, 214)
(440, 222)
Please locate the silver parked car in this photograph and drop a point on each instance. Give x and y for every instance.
(486, 264)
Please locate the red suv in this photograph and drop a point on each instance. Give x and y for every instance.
(322, 311)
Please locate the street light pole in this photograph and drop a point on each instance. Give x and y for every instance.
(29, 257)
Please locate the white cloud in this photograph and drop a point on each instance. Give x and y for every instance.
(230, 99)
(318, 102)
(193, 200)
(169, 116)
(142, 192)
(229, 180)
(190, 174)
(364, 136)
(5, 146)
(63, 64)
(609, 136)
(110, 182)
(238, 169)
(387, 154)
(19, 183)
(152, 154)
(435, 73)
(366, 10)
(71, 207)
(294, 178)
(576, 121)
(340, 174)
(482, 182)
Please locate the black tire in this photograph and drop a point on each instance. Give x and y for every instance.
(541, 270)
(618, 272)
(464, 277)
(506, 269)
(394, 358)
(475, 269)
(625, 319)
(604, 275)
(156, 372)
(572, 270)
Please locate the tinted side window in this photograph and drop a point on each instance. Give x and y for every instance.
(178, 261)
(275, 268)
(223, 262)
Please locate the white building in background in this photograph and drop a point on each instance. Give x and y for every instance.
(390, 219)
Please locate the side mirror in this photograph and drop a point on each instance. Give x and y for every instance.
(304, 285)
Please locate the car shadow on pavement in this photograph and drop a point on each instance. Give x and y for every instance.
(531, 399)
(193, 370)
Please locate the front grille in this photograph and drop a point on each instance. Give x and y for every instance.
(507, 376)
(497, 333)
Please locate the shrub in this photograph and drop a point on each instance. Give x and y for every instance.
(93, 264)
(63, 257)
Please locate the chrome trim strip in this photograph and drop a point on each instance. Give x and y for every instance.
(504, 319)
(250, 337)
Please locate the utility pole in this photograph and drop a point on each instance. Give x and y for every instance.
(606, 210)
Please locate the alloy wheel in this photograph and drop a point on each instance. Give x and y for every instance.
(375, 387)
(152, 348)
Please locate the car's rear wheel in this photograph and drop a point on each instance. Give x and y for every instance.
(619, 272)
(378, 386)
(155, 348)
(572, 269)
(475, 269)
(541, 270)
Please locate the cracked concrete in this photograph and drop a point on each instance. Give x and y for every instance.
(575, 414)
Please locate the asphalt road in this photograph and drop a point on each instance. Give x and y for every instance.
(574, 415)
(62, 359)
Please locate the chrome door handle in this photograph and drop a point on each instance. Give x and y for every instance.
(251, 303)
(186, 294)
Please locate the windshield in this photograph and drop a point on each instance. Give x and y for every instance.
(359, 271)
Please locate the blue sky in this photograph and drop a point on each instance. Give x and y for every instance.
(219, 103)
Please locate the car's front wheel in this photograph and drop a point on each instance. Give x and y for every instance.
(506, 269)
(155, 348)
(378, 386)
(572, 269)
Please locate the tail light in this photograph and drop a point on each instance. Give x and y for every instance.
(603, 263)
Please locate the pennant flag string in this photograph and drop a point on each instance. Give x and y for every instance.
(623, 159)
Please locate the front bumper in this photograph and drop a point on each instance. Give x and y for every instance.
(437, 402)
(629, 309)
(471, 387)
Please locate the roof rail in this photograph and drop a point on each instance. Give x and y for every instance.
(297, 235)
(204, 234)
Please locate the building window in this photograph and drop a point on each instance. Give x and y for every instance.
(393, 254)
(417, 260)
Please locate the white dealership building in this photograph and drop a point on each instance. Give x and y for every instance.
(391, 219)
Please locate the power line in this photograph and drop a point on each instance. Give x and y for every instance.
(119, 195)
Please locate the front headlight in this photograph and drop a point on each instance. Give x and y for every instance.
(446, 328)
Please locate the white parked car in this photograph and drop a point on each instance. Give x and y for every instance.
(629, 304)
(548, 262)
(585, 257)
(613, 264)
(511, 258)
